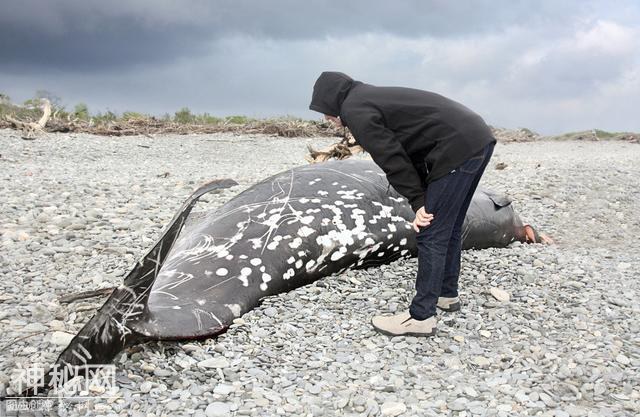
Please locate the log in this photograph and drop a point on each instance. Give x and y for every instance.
(31, 129)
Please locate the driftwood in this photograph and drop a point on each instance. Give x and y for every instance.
(31, 129)
(143, 125)
(70, 298)
(341, 150)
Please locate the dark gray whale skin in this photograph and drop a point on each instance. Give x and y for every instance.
(289, 230)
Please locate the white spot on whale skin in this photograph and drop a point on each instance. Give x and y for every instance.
(201, 302)
(229, 257)
(315, 200)
(303, 200)
(245, 281)
(176, 308)
(392, 227)
(261, 215)
(243, 256)
(266, 277)
(305, 231)
(390, 235)
(221, 272)
(223, 253)
(369, 241)
(334, 183)
(245, 271)
(262, 268)
(307, 219)
(380, 255)
(299, 263)
(235, 309)
(373, 221)
(339, 253)
(263, 286)
(404, 252)
(310, 264)
(338, 202)
(403, 241)
(395, 248)
(290, 272)
(273, 245)
(291, 260)
(322, 192)
(256, 242)
(255, 261)
(208, 273)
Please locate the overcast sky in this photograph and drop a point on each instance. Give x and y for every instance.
(550, 65)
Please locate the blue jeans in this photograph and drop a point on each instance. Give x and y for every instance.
(439, 244)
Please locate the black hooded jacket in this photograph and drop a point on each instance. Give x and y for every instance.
(415, 136)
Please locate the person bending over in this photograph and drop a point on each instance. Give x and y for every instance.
(433, 151)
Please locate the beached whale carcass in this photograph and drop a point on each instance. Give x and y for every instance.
(291, 229)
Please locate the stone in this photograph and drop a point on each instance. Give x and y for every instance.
(499, 294)
(61, 338)
(214, 363)
(391, 408)
(218, 409)
(622, 359)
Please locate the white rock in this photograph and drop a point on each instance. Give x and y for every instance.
(145, 387)
(391, 408)
(499, 294)
(223, 389)
(218, 409)
(217, 362)
(481, 361)
(61, 338)
(622, 359)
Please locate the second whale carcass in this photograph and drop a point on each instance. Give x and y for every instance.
(210, 267)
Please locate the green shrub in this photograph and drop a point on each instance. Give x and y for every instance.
(184, 116)
(207, 119)
(81, 111)
(240, 120)
(128, 115)
(107, 117)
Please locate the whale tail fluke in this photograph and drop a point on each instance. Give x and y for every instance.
(111, 329)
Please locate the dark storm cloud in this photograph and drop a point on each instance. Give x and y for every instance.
(100, 35)
(549, 65)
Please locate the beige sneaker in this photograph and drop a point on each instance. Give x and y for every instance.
(449, 304)
(403, 325)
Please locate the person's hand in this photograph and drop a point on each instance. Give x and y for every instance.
(422, 219)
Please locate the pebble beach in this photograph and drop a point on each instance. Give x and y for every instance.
(544, 330)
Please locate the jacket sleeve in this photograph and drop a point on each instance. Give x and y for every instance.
(387, 152)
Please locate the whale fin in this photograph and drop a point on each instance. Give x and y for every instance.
(109, 330)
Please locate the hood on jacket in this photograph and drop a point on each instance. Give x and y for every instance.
(329, 91)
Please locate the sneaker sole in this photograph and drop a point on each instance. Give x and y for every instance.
(452, 308)
(386, 333)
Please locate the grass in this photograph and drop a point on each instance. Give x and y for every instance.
(30, 110)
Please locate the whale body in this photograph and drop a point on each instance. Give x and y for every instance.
(210, 267)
